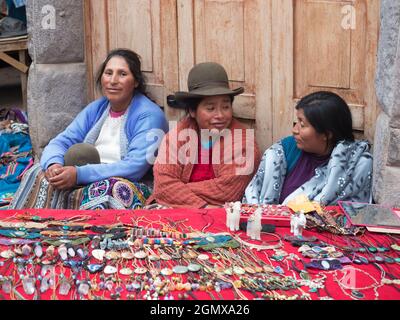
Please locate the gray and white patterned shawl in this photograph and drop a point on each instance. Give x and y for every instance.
(347, 176)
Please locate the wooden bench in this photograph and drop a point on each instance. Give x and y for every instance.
(19, 44)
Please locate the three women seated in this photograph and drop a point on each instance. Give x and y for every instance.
(209, 158)
(320, 160)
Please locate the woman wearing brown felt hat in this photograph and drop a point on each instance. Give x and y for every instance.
(200, 161)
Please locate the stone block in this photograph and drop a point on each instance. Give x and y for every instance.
(394, 148)
(388, 64)
(56, 94)
(388, 192)
(56, 30)
(380, 153)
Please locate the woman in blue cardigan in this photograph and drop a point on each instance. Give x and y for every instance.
(105, 149)
(320, 160)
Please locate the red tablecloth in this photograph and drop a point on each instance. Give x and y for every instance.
(213, 220)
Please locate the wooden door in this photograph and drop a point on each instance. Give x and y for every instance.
(148, 28)
(236, 34)
(278, 50)
(335, 48)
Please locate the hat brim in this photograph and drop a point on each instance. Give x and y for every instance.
(12, 34)
(207, 92)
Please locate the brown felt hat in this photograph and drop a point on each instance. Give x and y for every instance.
(205, 80)
(81, 154)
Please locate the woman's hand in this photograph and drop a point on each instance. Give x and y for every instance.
(64, 179)
(52, 171)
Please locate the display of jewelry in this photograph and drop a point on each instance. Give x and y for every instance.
(167, 259)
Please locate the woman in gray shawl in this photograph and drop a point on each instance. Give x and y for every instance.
(320, 160)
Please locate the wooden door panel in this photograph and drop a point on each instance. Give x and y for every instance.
(96, 41)
(146, 27)
(132, 27)
(224, 33)
(332, 51)
(282, 70)
(143, 36)
(328, 47)
(219, 37)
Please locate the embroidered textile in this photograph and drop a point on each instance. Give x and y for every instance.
(112, 193)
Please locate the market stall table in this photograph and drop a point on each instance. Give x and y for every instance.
(131, 277)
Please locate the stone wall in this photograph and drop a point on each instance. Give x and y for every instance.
(57, 77)
(386, 181)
